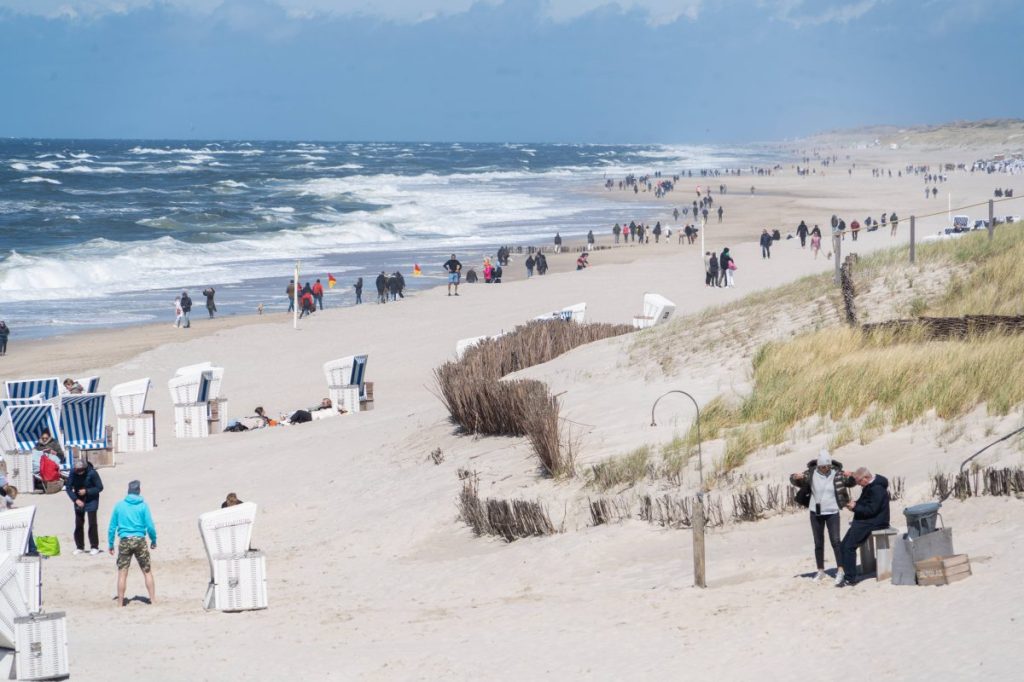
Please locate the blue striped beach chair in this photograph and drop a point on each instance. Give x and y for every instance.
(21, 426)
(7, 402)
(26, 388)
(88, 384)
(82, 426)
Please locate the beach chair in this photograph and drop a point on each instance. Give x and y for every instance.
(217, 404)
(136, 426)
(34, 400)
(83, 429)
(15, 528)
(573, 313)
(12, 601)
(42, 651)
(237, 573)
(189, 394)
(88, 384)
(657, 310)
(190, 369)
(20, 428)
(463, 345)
(346, 382)
(27, 388)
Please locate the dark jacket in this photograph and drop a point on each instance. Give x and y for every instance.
(186, 303)
(724, 259)
(841, 483)
(382, 283)
(766, 239)
(872, 507)
(801, 229)
(90, 480)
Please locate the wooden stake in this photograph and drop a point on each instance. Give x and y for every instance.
(912, 229)
(698, 542)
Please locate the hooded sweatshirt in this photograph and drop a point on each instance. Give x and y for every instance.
(131, 519)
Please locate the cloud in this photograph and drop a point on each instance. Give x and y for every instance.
(658, 12)
(800, 13)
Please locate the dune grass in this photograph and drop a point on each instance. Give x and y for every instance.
(883, 379)
(621, 471)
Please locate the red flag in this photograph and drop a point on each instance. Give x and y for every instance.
(331, 281)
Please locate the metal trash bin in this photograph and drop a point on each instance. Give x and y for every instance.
(922, 518)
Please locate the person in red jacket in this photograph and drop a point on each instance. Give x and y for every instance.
(318, 294)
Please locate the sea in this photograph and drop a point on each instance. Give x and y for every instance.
(105, 233)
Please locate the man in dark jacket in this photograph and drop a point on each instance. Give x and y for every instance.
(801, 231)
(211, 307)
(766, 244)
(870, 513)
(84, 487)
(186, 307)
(382, 285)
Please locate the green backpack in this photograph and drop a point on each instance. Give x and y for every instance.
(48, 545)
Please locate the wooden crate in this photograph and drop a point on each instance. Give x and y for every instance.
(943, 570)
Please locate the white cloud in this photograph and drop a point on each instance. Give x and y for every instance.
(658, 12)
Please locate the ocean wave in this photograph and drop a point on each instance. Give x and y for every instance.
(93, 169)
(159, 151)
(37, 178)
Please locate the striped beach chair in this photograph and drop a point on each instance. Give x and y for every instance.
(21, 426)
(6, 402)
(27, 388)
(82, 426)
(346, 382)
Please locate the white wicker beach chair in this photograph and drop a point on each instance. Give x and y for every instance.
(30, 580)
(190, 369)
(129, 399)
(346, 382)
(42, 651)
(12, 601)
(227, 536)
(15, 527)
(136, 428)
(190, 389)
(657, 310)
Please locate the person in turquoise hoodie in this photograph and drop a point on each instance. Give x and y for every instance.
(132, 522)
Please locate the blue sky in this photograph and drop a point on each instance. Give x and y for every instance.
(502, 70)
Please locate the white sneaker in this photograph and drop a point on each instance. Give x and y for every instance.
(819, 577)
(94, 551)
(78, 551)
(840, 577)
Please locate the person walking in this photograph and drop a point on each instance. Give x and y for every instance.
(720, 212)
(318, 294)
(766, 244)
(710, 269)
(454, 269)
(530, 263)
(84, 487)
(590, 240)
(358, 286)
(801, 231)
(178, 314)
(211, 307)
(558, 243)
(290, 291)
(5, 332)
(131, 522)
(824, 490)
(382, 287)
(870, 513)
(186, 308)
(815, 242)
(617, 231)
(893, 224)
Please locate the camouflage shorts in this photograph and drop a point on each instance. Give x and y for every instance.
(133, 547)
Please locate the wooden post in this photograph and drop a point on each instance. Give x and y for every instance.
(912, 229)
(698, 542)
(991, 219)
(837, 249)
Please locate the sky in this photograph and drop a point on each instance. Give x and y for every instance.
(602, 71)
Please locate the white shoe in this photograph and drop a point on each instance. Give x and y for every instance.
(78, 551)
(840, 577)
(819, 577)
(94, 551)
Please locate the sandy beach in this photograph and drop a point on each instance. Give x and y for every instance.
(373, 576)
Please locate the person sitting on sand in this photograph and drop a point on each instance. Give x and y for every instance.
(581, 262)
(46, 446)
